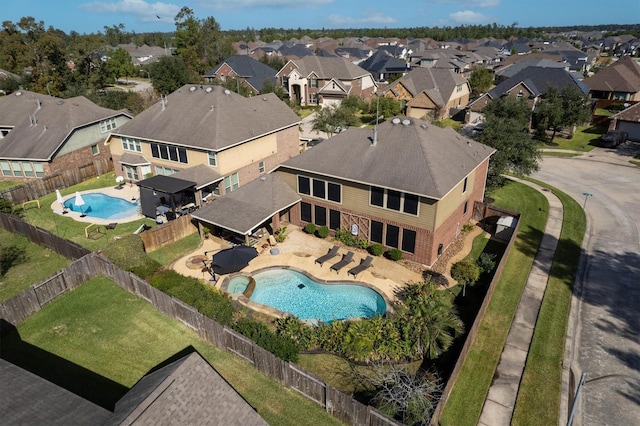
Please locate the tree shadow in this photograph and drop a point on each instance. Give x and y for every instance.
(72, 377)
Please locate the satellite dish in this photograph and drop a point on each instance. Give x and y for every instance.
(208, 89)
(192, 88)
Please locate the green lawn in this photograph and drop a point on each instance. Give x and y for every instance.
(99, 340)
(539, 395)
(584, 139)
(41, 263)
(6, 184)
(558, 154)
(469, 392)
(169, 253)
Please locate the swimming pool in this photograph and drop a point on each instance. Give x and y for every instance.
(103, 206)
(294, 292)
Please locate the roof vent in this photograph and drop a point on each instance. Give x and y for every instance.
(406, 122)
(264, 99)
(60, 102)
(192, 88)
(263, 178)
(227, 92)
(208, 89)
(18, 93)
(396, 120)
(424, 126)
(212, 107)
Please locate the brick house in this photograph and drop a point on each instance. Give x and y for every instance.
(42, 135)
(407, 185)
(245, 69)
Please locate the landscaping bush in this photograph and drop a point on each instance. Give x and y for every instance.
(6, 206)
(350, 240)
(467, 227)
(281, 234)
(376, 249)
(128, 253)
(465, 272)
(207, 300)
(486, 262)
(11, 256)
(310, 228)
(282, 347)
(322, 232)
(295, 330)
(394, 254)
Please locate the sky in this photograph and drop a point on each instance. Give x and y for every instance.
(88, 16)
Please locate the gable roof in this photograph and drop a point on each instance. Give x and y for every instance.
(438, 83)
(538, 80)
(201, 174)
(252, 71)
(42, 124)
(258, 201)
(415, 157)
(514, 68)
(186, 391)
(327, 67)
(382, 62)
(622, 76)
(210, 118)
(629, 114)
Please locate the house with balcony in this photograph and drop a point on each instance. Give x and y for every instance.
(207, 135)
(41, 135)
(407, 184)
(317, 80)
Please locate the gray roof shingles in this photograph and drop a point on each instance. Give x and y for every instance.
(253, 71)
(538, 80)
(417, 158)
(437, 83)
(210, 118)
(327, 67)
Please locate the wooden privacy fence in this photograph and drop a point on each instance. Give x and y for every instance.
(36, 188)
(169, 232)
(338, 404)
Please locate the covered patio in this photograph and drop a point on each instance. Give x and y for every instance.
(165, 196)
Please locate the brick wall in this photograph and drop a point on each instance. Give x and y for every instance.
(79, 157)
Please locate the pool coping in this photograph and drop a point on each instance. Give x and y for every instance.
(269, 310)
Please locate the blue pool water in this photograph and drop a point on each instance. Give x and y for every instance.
(294, 292)
(103, 206)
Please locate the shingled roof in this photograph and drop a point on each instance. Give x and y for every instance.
(41, 124)
(622, 76)
(437, 83)
(408, 155)
(538, 80)
(252, 71)
(210, 118)
(326, 68)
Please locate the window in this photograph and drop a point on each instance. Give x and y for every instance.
(131, 172)
(261, 167)
(108, 124)
(313, 98)
(169, 152)
(314, 82)
(459, 88)
(334, 219)
(17, 170)
(320, 215)
(393, 200)
(464, 185)
(130, 144)
(95, 149)
(28, 169)
(213, 159)
(410, 204)
(319, 188)
(160, 170)
(231, 183)
(333, 192)
(39, 169)
(393, 232)
(520, 95)
(6, 170)
(377, 196)
(304, 185)
(376, 231)
(466, 207)
(305, 212)
(408, 240)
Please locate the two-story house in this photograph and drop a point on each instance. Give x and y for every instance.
(316, 80)
(619, 81)
(42, 135)
(407, 185)
(231, 139)
(245, 70)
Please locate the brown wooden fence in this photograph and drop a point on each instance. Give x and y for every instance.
(169, 232)
(36, 188)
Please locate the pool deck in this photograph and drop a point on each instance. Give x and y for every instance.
(128, 192)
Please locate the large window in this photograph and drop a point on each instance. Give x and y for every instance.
(160, 170)
(304, 185)
(169, 152)
(28, 169)
(411, 204)
(107, 125)
(334, 192)
(376, 231)
(213, 159)
(394, 200)
(320, 215)
(320, 189)
(231, 182)
(393, 233)
(6, 170)
(334, 219)
(131, 172)
(131, 144)
(408, 240)
(305, 212)
(39, 168)
(17, 170)
(377, 196)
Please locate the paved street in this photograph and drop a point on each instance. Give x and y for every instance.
(606, 339)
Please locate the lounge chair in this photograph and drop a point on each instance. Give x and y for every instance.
(333, 252)
(346, 259)
(365, 264)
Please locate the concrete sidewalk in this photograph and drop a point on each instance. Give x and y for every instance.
(501, 399)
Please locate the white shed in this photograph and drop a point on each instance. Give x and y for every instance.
(505, 227)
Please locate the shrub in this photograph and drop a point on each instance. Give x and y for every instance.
(310, 228)
(6, 206)
(11, 256)
(281, 234)
(467, 227)
(128, 253)
(394, 254)
(465, 272)
(376, 249)
(282, 347)
(486, 262)
(322, 232)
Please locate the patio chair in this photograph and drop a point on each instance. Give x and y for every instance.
(365, 264)
(333, 252)
(346, 259)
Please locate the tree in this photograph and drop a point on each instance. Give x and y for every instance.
(480, 81)
(465, 272)
(169, 74)
(331, 118)
(557, 110)
(119, 64)
(506, 128)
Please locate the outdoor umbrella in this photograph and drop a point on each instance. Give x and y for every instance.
(60, 201)
(79, 202)
(233, 259)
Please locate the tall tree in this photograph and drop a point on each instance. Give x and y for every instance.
(506, 128)
(119, 64)
(480, 81)
(558, 110)
(170, 73)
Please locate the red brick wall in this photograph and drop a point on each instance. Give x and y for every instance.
(76, 159)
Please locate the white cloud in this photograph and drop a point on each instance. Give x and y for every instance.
(468, 17)
(241, 4)
(472, 3)
(374, 18)
(145, 12)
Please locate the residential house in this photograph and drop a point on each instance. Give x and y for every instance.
(354, 54)
(628, 120)
(315, 80)
(619, 81)
(407, 184)
(42, 135)
(530, 84)
(238, 138)
(143, 55)
(384, 66)
(511, 68)
(245, 69)
(430, 92)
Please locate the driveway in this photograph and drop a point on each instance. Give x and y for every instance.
(606, 339)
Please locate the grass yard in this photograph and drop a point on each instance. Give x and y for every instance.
(169, 253)
(18, 278)
(469, 392)
(539, 395)
(99, 340)
(584, 139)
(558, 154)
(6, 184)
